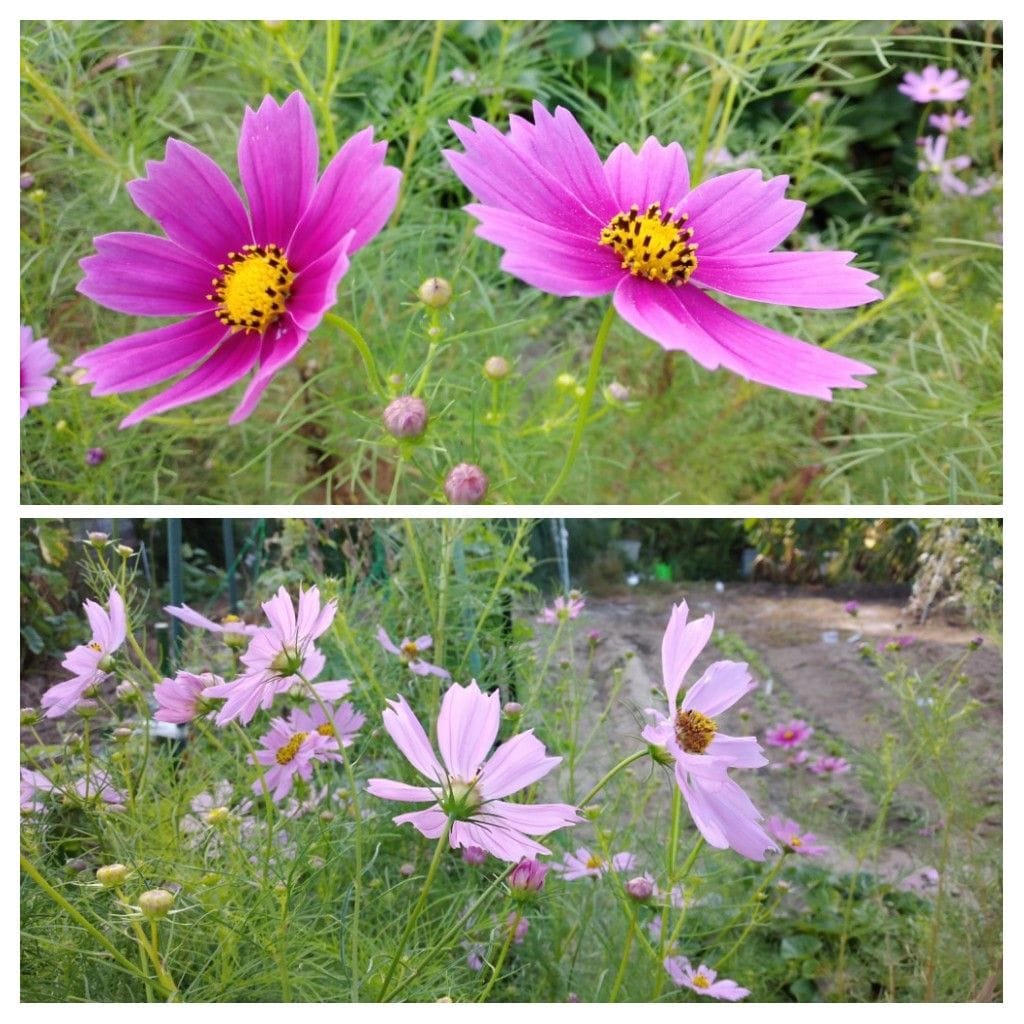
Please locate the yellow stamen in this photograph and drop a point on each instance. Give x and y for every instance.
(700, 981)
(795, 841)
(593, 861)
(327, 729)
(653, 245)
(287, 753)
(410, 650)
(694, 730)
(94, 646)
(254, 288)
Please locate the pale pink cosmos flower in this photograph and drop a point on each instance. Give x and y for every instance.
(228, 625)
(34, 786)
(280, 657)
(468, 784)
(562, 609)
(288, 752)
(789, 834)
(90, 663)
(702, 980)
(36, 362)
(788, 734)
(830, 766)
(584, 864)
(97, 786)
(409, 653)
(251, 284)
(211, 812)
(934, 85)
(340, 724)
(633, 227)
(475, 953)
(474, 855)
(701, 754)
(947, 123)
(180, 699)
(944, 169)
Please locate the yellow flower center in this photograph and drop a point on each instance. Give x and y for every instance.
(593, 861)
(286, 754)
(795, 841)
(700, 981)
(788, 734)
(253, 289)
(410, 650)
(654, 245)
(327, 729)
(694, 730)
(94, 646)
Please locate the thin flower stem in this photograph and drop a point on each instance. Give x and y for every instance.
(502, 955)
(442, 845)
(627, 948)
(268, 801)
(361, 346)
(585, 402)
(754, 904)
(414, 546)
(609, 775)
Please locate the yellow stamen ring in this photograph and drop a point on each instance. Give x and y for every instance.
(254, 288)
(654, 245)
(287, 753)
(694, 731)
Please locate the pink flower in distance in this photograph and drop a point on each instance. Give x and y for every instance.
(788, 833)
(340, 723)
(852, 608)
(474, 855)
(34, 786)
(36, 362)
(97, 786)
(180, 699)
(932, 84)
(409, 652)
(252, 283)
(790, 734)
(89, 663)
(467, 783)
(830, 766)
(944, 169)
(528, 876)
(702, 980)
(562, 609)
(689, 735)
(230, 624)
(632, 226)
(584, 864)
(947, 123)
(288, 752)
(280, 657)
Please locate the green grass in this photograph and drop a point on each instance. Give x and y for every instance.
(927, 428)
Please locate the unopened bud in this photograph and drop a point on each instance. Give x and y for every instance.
(27, 181)
(527, 876)
(124, 551)
(497, 368)
(406, 416)
(29, 716)
(975, 642)
(111, 875)
(122, 734)
(640, 888)
(465, 484)
(435, 292)
(565, 381)
(87, 709)
(935, 279)
(617, 392)
(97, 539)
(126, 690)
(327, 817)
(512, 710)
(156, 903)
(406, 870)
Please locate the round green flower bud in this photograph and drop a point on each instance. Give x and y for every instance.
(497, 368)
(156, 903)
(435, 292)
(111, 875)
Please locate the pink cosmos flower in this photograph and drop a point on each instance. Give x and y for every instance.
(562, 609)
(947, 123)
(474, 855)
(180, 699)
(280, 657)
(34, 786)
(689, 735)
(852, 608)
(932, 84)
(934, 161)
(409, 652)
(790, 734)
(252, 284)
(584, 864)
(288, 752)
(518, 925)
(702, 980)
(632, 226)
(340, 724)
(467, 784)
(90, 663)
(475, 953)
(97, 786)
(528, 875)
(830, 766)
(230, 624)
(36, 362)
(895, 643)
(788, 833)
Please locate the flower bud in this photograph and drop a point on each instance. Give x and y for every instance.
(497, 368)
(565, 382)
(122, 734)
(851, 607)
(97, 538)
(617, 392)
(406, 870)
(95, 456)
(126, 690)
(37, 195)
(76, 865)
(435, 292)
(327, 817)
(465, 484)
(396, 380)
(640, 888)
(512, 710)
(27, 181)
(124, 551)
(935, 279)
(406, 417)
(648, 57)
(29, 716)
(156, 903)
(87, 709)
(527, 876)
(111, 875)
(975, 642)
(474, 855)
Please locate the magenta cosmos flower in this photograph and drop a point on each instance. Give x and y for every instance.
(36, 362)
(409, 651)
(467, 784)
(701, 754)
(788, 833)
(89, 663)
(790, 734)
(632, 226)
(933, 84)
(584, 864)
(702, 980)
(252, 284)
(830, 766)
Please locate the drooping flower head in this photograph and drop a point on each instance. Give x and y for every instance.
(934, 85)
(89, 663)
(702, 980)
(632, 226)
(584, 864)
(468, 785)
(180, 699)
(410, 651)
(288, 752)
(701, 753)
(793, 839)
(562, 609)
(788, 734)
(36, 362)
(253, 283)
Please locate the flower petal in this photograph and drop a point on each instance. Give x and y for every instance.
(500, 841)
(722, 684)
(682, 642)
(466, 728)
(430, 822)
(387, 789)
(813, 280)
(532, 819)
(740, 751)
(278, 347)
(149, 357)
(316, 287)
(405, 729)
(515, 765)
(191, 198)
(725, 816)
(278, 157)
(657, 174)
(147, 275)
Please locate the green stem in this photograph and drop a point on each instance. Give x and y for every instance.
(364, 350)
(627, 948)
(414, 546)
(267, 800)
(754, 903)
(585, 402)
(442, 845)
(609, 775)
(502, 955)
